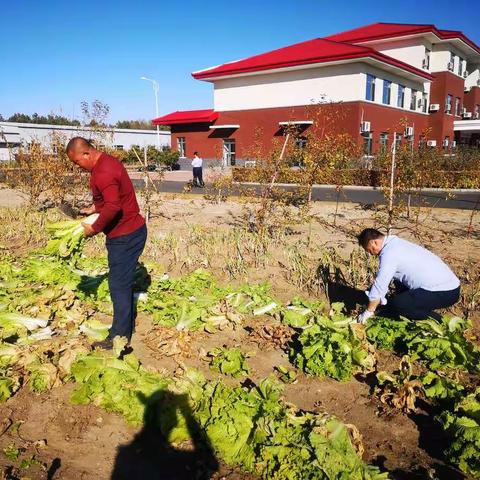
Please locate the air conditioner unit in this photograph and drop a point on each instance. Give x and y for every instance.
(431, 143)
(467, 114)
(451, 66)
(448, 108)
(445, 143)
(434, 107)
(408, 132)
(465, 74)
(365, 127)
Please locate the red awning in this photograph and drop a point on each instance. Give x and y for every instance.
(190, 116)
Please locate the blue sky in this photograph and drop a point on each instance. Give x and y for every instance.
(55, 54)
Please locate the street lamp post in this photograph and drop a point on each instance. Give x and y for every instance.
(155, 91)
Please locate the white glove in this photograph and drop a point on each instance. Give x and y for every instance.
(383, 300)
(363, 317)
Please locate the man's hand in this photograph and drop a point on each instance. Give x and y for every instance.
(363, 317)
(88, 231)
(88, 211)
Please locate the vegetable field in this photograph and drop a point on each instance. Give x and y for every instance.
(245, 361)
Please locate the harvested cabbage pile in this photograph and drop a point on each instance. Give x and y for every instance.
(229, 361)
(332, 347)
(439, 345)
(249, 427)
(196, 302)
(463, 424)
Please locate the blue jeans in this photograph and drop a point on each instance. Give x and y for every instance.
(123, 254)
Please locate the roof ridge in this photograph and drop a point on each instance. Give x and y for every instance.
(397, 23)
(362, 47)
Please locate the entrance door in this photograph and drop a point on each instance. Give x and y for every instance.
(228, 152)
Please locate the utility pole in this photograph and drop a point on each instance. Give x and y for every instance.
(155, 91)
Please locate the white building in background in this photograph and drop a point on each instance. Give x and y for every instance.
(14, 135)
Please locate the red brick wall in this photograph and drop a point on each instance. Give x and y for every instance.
(262, 126)
(471, 99)
(441, 123)
(391, 120)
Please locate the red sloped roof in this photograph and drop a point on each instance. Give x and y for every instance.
(319, 50)
(378, 31)
(447, 34)
(187, 116)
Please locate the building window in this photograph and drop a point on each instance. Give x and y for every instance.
(448, 104)
(367, 144)
(411, 143)
(458, 107)
(229, 151)
(460, 66)
(413, 100)
(426, 61)
(451, 63)
(370, 93)
(401, 96)
(182, 146)
(387, 87)
(424, 103)
(446, 143)
(383, 141)
(398, 141)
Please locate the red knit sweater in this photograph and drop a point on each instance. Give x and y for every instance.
(114, 198)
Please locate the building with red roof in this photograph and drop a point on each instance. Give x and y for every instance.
(415, 82)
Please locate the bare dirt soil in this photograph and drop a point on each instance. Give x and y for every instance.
(85, 442)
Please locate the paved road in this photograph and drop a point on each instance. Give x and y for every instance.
(464, 199)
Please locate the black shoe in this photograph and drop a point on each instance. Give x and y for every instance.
(106, 344)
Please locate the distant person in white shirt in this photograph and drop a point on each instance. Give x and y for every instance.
(197, 164)
(427, 281)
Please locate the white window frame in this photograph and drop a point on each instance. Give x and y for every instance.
(427, 58)
(413, 99)
(383, 140)
(182, 146)
(229, 154)
(370, 93)
(401, 96)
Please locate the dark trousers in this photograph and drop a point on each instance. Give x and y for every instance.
(123, 255)
(198, 176)
(419, 304)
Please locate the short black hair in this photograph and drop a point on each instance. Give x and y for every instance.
(78, 142)
(195, 153)
(367, 235)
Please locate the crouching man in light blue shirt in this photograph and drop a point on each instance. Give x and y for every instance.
(429, 283)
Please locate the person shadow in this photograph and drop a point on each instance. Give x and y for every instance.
(149, 456)
(351, 297)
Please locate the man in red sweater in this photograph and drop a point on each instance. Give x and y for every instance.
(120, 220)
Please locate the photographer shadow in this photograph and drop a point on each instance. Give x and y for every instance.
(150, 455)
